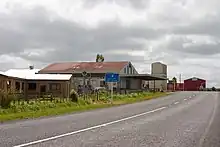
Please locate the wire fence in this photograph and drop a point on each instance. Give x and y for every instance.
(97, 95)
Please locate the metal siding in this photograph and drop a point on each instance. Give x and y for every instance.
(190, 85)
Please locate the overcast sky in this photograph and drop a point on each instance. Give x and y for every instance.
(184, 34)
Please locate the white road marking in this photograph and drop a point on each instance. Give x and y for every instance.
(202, 139)
(185, 99)
(88, 129)
(176, 103)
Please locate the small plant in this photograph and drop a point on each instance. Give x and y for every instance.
(74, 96)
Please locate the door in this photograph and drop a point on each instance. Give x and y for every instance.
(43, 89)
(128, 84)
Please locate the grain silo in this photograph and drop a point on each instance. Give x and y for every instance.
(159, 69)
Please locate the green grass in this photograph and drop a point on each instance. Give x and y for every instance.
(39, 109)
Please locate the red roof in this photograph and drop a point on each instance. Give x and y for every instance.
(78, 67)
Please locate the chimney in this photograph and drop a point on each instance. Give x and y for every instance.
(31, 67)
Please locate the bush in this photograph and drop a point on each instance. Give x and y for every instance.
(74, 96)
(6, 99)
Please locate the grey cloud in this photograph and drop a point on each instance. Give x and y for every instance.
(137, 4)
(208, 25)
(176, 44)
(5, 65)
(69, 40)
(204, 49)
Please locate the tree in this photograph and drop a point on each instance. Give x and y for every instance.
(97, 57)
(100, 58)
(213, 89)
(174, 83)
(174, 80)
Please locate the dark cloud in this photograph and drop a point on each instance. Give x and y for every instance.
(69, 40)
(187, 47)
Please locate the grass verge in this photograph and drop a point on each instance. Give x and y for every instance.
(36, 110)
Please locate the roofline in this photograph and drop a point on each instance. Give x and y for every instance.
(147, 75)
(47, 80)
(194, 77)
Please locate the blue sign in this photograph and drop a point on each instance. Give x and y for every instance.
(112, 77)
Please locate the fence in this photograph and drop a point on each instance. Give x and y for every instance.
(19, 98)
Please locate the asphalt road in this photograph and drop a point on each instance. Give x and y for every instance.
(185, 119)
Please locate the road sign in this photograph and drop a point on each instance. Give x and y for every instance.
(112, 77)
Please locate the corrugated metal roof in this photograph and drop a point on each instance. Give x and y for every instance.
(2, 73)
(78, 67)
(60, 77)
(33, 75)
(144, 77)
(21, 73)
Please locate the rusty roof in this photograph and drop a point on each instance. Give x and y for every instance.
(78, 67)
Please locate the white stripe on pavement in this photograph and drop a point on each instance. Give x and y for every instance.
(88, 129)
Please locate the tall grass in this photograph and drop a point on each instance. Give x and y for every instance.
(34, 108)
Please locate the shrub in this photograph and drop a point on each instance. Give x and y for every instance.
(74, 96)
(6, 99)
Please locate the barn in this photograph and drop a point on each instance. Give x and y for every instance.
(194, 84)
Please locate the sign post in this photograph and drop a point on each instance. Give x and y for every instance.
(112, 78)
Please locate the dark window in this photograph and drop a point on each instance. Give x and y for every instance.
(32, 86)
(102, 83)
(55, 86)
(1, 85)
(17, 85)
(43, 88)
(22, 87)
(125, 70)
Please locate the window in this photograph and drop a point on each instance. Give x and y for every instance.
(32, 86)
(102, 83)
(1, 84)
(22, 87)
(125, 70)
(55, 86)
(17, 85)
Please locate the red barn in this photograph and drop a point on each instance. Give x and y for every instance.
(194, 84)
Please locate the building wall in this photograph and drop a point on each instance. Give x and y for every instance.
(193, 85)
(178, 86)
(11, 84)
(56, 88)
(3, 82)
(129, 83)
(159, 69)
